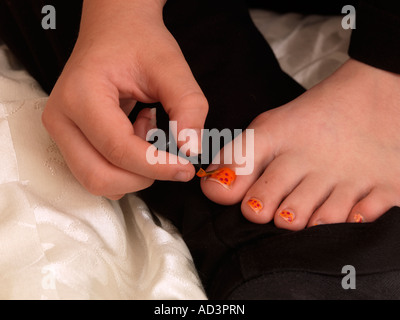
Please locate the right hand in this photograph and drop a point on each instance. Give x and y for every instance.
(124, 53)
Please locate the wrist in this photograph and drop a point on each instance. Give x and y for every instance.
(118, 17)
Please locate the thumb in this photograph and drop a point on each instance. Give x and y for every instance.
(189, 113)
(182, 99)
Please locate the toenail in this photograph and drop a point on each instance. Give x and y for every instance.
(318, 223)
(225, 177)
(358, 218)
(287, 215)
(255, 205)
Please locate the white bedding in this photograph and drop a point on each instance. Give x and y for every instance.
(59, 242)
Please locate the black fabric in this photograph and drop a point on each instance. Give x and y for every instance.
(313, 286)
(327, 7)
(241, 79)
(43, 52)
(319, 253)
(376, 40)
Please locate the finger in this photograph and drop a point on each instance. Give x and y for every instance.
(110, 132)
(127, 105)
(180, 94)
(97, 175)
(145, 121)
(115, 198)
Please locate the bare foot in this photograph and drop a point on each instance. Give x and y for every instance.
(330, 156)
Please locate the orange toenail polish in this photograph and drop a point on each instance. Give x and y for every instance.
(287, 216)
(225, 177)
(358, 218)
(255, 205)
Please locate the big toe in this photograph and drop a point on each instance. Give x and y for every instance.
(239, 165)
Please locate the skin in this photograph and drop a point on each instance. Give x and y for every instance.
(330, 156)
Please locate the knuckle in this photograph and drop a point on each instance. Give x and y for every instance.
(97, 184)
(115, 152)
(198, 100)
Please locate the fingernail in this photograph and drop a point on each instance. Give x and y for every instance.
(225, 177)
(358, 218)
(255, 205)
(287, 216)
(182, 176)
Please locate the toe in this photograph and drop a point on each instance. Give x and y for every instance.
(296, 210)
(337, 207)
(263, 198)
(224, 186)
(374, 205)
(247, 163)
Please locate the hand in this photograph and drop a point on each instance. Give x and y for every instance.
(123, 54)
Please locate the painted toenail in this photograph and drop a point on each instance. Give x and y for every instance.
(287, 216)
(225, 177)
(318, 223)
(358, 218)
(255, 205)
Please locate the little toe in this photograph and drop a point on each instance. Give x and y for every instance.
(337, 206)
(373, 206)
